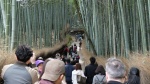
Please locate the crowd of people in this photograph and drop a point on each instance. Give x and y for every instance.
(27, 70)
(72, 51)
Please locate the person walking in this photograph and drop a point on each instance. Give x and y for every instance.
(90, 70)
(70, 50)
(100, 77)
(65, 51)
(68, 71)
(75, 48)
(77, 71)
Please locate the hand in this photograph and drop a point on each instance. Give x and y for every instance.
(32, 59)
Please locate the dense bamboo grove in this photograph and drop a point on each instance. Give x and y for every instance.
(34, 22)
(114, 27)
(117, 27)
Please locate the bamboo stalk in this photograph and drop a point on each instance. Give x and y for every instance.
(13, 24)
(124, 29)
(3, 14)
(139, 5)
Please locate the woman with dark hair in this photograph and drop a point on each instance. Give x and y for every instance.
(99, 78)
(134, 76)
(77, 71)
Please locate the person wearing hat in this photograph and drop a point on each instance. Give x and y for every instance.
(39, 65)
(20, 72)
(53, 72)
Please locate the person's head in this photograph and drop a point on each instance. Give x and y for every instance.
(58, 56)
(115, 70)
(134, 71)
(92, 60)
(39, 64)
(62, 56)
(134, 76)
(68, 61)
(78, 66)
(100, 70)
(54, 70)
(73, 62)
(23, 53)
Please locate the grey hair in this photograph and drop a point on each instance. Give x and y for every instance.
(115, 68)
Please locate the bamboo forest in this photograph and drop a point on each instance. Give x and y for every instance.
(114, 27)
(118, 28)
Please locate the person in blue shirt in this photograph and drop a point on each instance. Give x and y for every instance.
(68, 71)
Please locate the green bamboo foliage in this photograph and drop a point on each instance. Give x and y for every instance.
(3, 13)
(124, 28)
(8, 16)
(148, 29)
(117, 27)
(113, 27)
(38, 22)
(142, 25)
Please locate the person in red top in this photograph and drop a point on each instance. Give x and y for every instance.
(70, 50)
(65, 52)
(75, 48)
